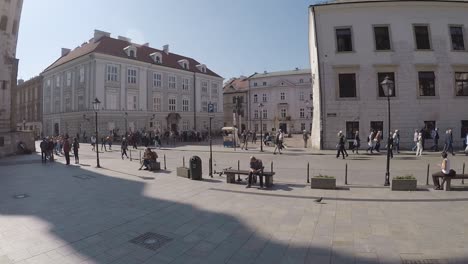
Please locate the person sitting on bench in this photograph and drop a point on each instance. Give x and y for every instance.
(148, 157)
(256, 168)
(445, 171)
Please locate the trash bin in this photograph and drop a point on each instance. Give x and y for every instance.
(196, 168)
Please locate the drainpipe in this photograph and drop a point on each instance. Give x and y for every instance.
(194, 101)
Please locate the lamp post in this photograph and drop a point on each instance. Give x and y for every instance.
(211, 115)
(126, 117)
(387, 86)
(96, 104)
(260, 106)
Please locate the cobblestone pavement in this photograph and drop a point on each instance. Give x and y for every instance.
(52, 213)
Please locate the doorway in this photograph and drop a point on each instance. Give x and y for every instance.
(283, 127)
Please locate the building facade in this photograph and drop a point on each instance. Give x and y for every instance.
(354, 45)
(140, 88)
(29, 106)
(236, 110)
(281, 100)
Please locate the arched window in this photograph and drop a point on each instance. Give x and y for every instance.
(158, 60)
(132, 53)
(3, 23)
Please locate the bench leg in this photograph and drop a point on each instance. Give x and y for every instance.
(447, 185)
(268, 181)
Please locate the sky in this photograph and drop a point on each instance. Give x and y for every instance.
(232, 37)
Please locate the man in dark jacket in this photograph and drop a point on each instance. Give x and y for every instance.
(50, 149)
(44, 150)
(124, 147)
(66, 150)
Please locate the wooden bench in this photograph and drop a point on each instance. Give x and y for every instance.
(448, 179)
(231, 176)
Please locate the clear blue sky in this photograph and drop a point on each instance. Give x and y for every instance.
(232, 37)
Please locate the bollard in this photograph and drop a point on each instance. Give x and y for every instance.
(271, 167)
(463, 180)
(427, 175)
(238, 168)
(165, 168)
(308, 176)
(130, 154)
(346, 174)
(140, 157)
(183, 161)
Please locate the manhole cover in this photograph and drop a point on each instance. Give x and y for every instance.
(84, 176)
(423, 261)
(20, 196)
(151, 241)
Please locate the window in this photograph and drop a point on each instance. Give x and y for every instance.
(256, 114)
(265, 127)
(301, 96)
(81, 103)
(421, 34)
(255, 99)
(461, 83)
(204, 106)
(131, 76)
(57, 81)
(172, 82)
(255, 127)
(185, 84)
(185, 125)
(215, 107)
(426, 83)
(157, 78)
(264, 83)
(429, 126)
(132, 53)
(158, 59)
(255, 84)
(464, 128)
(157, 103)
(264, 97)
(303, 127)
(351, 128)
(382, 38)
(67, 105)
(458, 43)
(301, 113)
(172, 104)
(185, 105)
(265, 114)
(380, 78)
(111, 73)
(68, 78)
(301, 81)
(282, 96)
(347, 85)
(283, 113)
(214, 89)
(3, 23)
(48, 83)
(81, 75)
(343, 39)
(132, 102)
(204, 87)
(111, 101)
(376, 126)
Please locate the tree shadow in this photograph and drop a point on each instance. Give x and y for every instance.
(99, 218)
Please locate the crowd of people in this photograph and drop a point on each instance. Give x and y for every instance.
(59, 145)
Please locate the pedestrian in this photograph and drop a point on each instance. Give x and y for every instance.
(396, 141)
(419, 147)
(43, 147)
(50, 149)
(415, 140)
(435, 137)
(254, 137)
(103, 143)
(109, 142)
(278, 142)
(378, 140)
(341, 145)
(66, 150)
(370, 142)
(466, 143)
(124, 147)
(93, 142)
(245, 139)
(356, 142)
(450, 142)
(305, 137)
(76, 146)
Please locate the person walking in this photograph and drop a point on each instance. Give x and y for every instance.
(43, 147)
(93, 142)
(435, 137)
(50, 149)
(305, 137)
(370, 142)
(278, 142)
(103, 143)
(415, 139)
(419, 147)
(109, 142)
(124, 147)
(378, 140)
(254, 137)
(66, 150)
(341, 145)
(245, 139)
(76, 146)
(450, 142)
(396, 141)
(356, 142)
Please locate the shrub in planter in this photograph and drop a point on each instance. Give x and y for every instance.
(323, 182)
(404, 183)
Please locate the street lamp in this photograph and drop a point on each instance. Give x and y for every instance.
(387, 86)
(126, 117)
(211, 115)
(96, 104)
(260, 106)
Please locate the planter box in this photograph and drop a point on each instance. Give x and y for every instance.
(322, 183)
(183, 172)
(404, 185)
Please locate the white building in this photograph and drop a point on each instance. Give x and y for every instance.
(286, 97)
(139, 88)
(421, 45)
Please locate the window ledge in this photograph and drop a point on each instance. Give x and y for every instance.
(379, 51)
(347, 98)
(428, 97)
(424, 50)
(465, 50)
(345, 52)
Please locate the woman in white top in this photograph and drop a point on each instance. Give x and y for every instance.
(445, 171)
(419, 146)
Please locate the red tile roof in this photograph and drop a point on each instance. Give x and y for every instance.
(115, 47)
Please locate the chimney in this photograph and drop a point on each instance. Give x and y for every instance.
(129, 40)
(166, 49)
(265, 72)
(146, 44)
(65, 51)
(98, 34)
(20, 81)
(297, 69)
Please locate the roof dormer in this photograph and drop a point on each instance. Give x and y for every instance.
(201, 67)
(157, 57)
(184, 63)
(131, 51)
